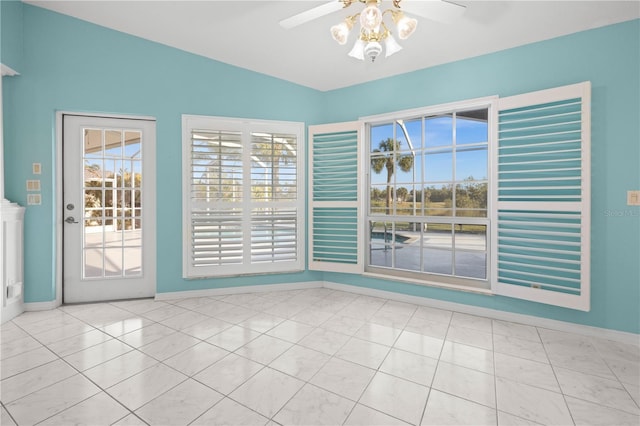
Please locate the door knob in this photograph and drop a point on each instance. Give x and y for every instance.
(70, 219)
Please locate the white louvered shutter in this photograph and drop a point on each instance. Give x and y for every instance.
(275, 228)
(215, 190)
(334, 200)
(541, 223)
(243, 207)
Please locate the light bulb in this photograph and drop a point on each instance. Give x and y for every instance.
(371, 17)
(358, 50)
(391, 46)
(340, 32)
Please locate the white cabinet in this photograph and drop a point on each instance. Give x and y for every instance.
(12, 260)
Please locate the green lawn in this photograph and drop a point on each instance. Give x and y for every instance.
(432, 209)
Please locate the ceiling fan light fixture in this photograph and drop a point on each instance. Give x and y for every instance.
(391, 46)
(358, 50)
(374, 35)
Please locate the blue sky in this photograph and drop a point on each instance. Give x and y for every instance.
(434, 152)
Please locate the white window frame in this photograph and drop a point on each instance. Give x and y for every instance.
(246, 127)
(425, 278)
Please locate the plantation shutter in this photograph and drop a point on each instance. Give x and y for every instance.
(334, 198)
(243, 208)
(275, 227)
(541, 224)
(216, 224)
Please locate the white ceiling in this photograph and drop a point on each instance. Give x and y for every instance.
(247, 34)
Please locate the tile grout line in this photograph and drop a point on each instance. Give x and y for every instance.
(78, 372)
(8, 413)
(308, 382)
(435, 371)
(313, 301)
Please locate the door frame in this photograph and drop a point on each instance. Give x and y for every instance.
(150, 167)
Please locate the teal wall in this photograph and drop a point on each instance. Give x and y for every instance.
(11, 35)
(67, 64)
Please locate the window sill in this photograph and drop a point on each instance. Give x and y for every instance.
(244, 275)
(430, 283)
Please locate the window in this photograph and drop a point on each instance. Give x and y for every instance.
(428, 193)
(491, 195)
(242, 197)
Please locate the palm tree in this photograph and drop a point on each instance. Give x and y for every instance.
(392, 157)
(272, 154)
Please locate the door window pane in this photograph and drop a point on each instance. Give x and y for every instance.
(93, 143)
(133, 260)
(93, 263)
(113, 262)
(112, 207)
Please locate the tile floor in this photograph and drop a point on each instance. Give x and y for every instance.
(305, 357)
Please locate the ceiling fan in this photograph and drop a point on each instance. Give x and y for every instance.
(373, 29)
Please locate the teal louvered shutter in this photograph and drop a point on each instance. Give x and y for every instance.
(541, 223)
(334, 198)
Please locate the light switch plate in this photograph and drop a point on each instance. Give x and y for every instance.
(33, 185)
(633, 198)
(36, 168)
(34, 199)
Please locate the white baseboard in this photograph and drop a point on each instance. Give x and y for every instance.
(41, 306)
(585, 330)
(603, 333)
(237, 290)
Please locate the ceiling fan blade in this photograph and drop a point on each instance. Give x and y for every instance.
(311, 14)
(436, 10)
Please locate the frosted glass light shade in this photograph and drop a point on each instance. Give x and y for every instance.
(371, 17)
(406, 27)
(358, 50)
(391, 46)
(340, 33)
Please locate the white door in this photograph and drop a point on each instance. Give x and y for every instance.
(109, 208)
